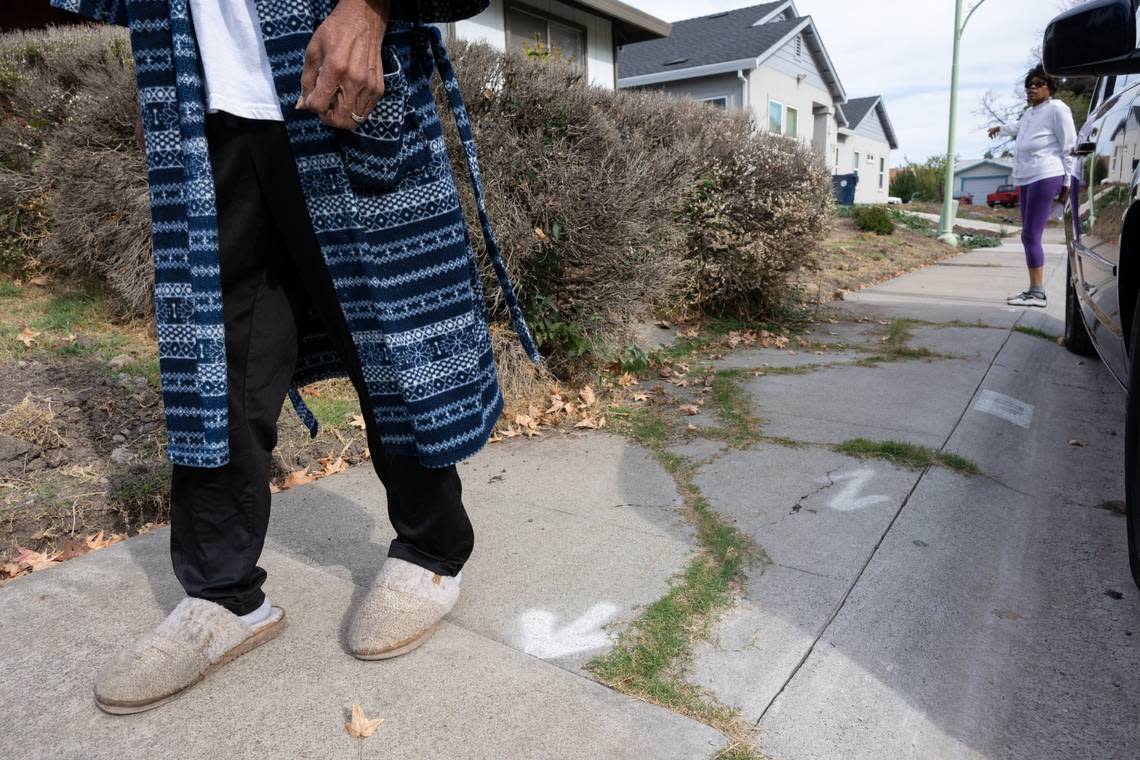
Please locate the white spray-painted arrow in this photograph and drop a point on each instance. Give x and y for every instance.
(540, 638)
(849, 499)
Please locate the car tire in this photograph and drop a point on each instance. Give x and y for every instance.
(1132, 460)
(991, 204)
(1077, 338)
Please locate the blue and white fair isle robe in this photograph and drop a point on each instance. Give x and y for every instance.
(386, 213)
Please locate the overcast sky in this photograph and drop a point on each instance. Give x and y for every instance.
(901, 49)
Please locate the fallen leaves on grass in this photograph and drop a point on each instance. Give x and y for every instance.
(357, 421)
(28, 336)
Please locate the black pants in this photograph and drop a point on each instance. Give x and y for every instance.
(272, 274)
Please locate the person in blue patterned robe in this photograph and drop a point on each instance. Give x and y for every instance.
(384, 289)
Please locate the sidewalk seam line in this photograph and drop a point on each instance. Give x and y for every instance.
(875, 549)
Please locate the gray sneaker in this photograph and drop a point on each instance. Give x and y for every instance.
(1027, 298)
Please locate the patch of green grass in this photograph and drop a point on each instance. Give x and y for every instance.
(8, 289)
(970, 242)
(1036, 333)
(739, 426)
(651, 656)
(647, 425)
(906, 454)
(332, 411)
(66, 311)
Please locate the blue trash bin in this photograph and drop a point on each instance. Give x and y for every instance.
(844, 185)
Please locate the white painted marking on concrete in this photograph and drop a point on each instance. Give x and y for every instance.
(541, 639)
(848, 499)
(1005, 407)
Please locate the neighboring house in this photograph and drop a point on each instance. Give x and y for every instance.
(585, 32)
(981, 176)
(770, 61)
(864, 146)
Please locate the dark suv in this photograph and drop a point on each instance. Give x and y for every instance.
(1102, 295)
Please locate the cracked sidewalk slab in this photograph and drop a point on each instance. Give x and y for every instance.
(574, 533)
(818, 516)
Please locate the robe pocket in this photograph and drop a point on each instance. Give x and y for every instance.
(389, 144)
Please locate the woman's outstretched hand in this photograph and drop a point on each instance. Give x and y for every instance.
(343, 71)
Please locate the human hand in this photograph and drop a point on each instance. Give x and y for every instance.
(343, 72)
(993, 132)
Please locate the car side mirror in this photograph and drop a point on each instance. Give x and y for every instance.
(1093, 39)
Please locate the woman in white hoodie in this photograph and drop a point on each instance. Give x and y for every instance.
(1042, 164)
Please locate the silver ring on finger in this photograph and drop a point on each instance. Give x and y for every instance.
(357, 117)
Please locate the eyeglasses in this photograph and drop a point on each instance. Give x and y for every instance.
(1035, 85)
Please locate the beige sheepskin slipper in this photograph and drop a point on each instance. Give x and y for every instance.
(197, 638)
(401, 610)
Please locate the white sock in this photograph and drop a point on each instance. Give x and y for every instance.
(260, 615)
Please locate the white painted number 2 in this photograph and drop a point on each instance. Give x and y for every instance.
(848, 499)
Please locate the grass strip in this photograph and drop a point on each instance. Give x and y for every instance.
(1036, 333)
(740, 427)
(906, 454)
(651, 656)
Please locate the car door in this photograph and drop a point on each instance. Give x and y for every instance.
(1108, 140)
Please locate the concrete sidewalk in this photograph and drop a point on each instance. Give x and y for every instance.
(1013, 228)
(572, 534)
(900, 612)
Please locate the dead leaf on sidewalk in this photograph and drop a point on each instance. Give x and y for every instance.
(98, 541)
(361, 726)
(1079, 444)
(36, 560)
(297, 478)
(689, 409)
(331, 466)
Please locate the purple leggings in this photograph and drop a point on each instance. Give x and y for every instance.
(1036, 202)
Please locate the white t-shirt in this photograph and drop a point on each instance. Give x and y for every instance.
(238, 79)
(1045, 141)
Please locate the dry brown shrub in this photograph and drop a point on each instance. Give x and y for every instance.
(68, 105)
(609, 206)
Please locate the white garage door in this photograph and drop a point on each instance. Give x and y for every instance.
(981, 187)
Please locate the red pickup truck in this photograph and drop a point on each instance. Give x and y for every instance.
(1005, 195)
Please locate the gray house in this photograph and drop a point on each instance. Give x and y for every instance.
(981, 176)
(770, 61)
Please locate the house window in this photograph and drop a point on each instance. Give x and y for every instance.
(775, 117)
(882, 172)
(856, 161)
(721, 103)
(531, 31)
(792, 122)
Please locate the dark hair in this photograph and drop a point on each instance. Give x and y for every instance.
(1038, 72)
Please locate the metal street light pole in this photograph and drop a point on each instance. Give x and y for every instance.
(949, 205)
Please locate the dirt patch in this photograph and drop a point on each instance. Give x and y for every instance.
(82, 450)
(977, 211)
(851, 260)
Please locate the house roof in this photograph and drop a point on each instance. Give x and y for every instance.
(630, 24)
(971, 163)
(709, 39)
(722, 42)
(857, 109)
